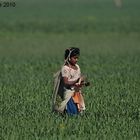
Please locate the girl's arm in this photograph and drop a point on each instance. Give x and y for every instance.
(78, 82)
(69, 83)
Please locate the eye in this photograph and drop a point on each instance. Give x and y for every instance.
(75, 57)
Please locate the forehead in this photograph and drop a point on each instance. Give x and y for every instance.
(75, 57)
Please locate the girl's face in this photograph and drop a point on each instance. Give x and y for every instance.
(74, 59)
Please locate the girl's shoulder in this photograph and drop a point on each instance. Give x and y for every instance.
(65, 67)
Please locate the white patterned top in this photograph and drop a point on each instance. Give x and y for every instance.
(71, 73)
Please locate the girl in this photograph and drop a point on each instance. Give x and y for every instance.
(68, 97)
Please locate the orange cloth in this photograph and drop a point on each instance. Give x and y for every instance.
(78, 99)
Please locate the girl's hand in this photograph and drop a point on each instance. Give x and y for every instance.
(77, 84)
(82, 78)
(80, 82)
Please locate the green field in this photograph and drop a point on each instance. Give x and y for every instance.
(33, 37)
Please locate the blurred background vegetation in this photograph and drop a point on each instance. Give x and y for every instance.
(71, 16)
(36, 26)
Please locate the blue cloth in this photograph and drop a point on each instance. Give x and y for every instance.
(71, 107)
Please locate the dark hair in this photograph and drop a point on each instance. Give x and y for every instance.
(70, 52)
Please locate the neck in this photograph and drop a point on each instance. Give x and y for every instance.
(71, 64)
